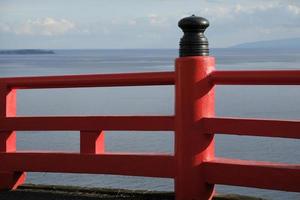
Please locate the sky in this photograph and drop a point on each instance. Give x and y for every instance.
(123, 24)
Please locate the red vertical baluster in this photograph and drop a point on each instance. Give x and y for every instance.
(194, 100)
(92, 142)
(8, 180)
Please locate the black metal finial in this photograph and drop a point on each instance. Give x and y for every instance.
(193, 42)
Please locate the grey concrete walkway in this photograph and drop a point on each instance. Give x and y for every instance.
(48, 192)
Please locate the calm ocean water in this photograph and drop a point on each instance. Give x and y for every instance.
(241, 101)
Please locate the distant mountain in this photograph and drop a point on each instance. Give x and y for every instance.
(292, 43)
(26, 51)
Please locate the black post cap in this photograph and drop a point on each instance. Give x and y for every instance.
(193, 42)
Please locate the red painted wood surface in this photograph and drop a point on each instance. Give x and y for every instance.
(265, 175)
(98, 80)
(252, 127)
(194, 100)
(150, 165)
(138, 123)
(92, 142)
(193, 166)
(9, 179)
(261, 77)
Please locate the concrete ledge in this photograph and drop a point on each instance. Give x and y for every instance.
(51, 192)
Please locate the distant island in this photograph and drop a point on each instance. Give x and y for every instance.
(26, 51)
(291, 43)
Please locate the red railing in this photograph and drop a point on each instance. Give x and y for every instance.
(193, 165)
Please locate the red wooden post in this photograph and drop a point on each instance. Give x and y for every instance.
(92, 142)
(8, 180)
(194, 100)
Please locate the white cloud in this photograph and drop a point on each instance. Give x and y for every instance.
(249, 9)
(225, 10)
(132, 22)
(4, 27)
(154, 19)
(294, 9)
(46, 27)
(233, 21)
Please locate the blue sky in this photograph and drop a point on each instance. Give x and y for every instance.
(102, 24)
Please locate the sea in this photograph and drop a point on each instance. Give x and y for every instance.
(275, 102)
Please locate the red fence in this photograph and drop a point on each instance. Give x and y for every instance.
(193, 165)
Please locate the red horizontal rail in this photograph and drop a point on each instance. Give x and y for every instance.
(274, 77)
(151, 165)
(253, 174)
(193, 74)
(99, 80)
(139, 123)
(254, 127)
